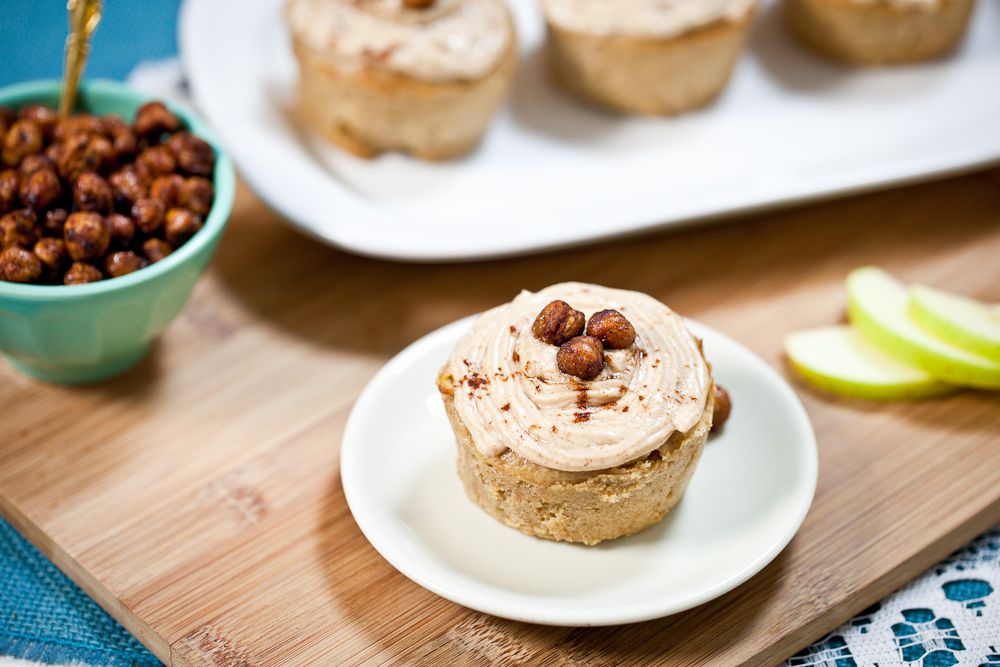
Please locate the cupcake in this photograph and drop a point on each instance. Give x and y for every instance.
(579, 412)
(646, 56)
(419, 76)
(879, 32)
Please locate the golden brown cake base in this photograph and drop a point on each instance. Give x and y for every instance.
(878, 33)
(648, 76)
(586, 507)
(371, 110)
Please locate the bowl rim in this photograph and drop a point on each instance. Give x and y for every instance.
(224, 183)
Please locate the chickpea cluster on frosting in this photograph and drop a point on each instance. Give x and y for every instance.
(581, 343)
(91, 197)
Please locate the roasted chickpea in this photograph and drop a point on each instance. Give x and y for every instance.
(198, 195)
(45, 117)
(7, 118)
(125, 143)
(53, 256)
(80, 273)
(168, 189)
(582, 357)
(80, 123)
(127, 187)
(54, 221)
(155, 249)
(92, 193)
(153, 119)
(33, 163)
(155, 161)
(10, 180)
(179, 225)
(148, 214)
(121, 228)
(84, 152)
(19, 228)
(87, 236)
(612, 329)
(18, 265)
(557, 323)
(40, 190)
(24, 138)
(723, 406)
(194, 155)
(122, 262)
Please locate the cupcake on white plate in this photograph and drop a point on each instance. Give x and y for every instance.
(419, 76)
(880, 32)
(646, 56)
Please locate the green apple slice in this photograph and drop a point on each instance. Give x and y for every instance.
(878, 303)
(840, 359)
(971, 325)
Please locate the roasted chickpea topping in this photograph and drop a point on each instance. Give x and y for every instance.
(418, 4)
(153, 119)
(179, 225)
(723, 406)
(91, 197)
(24, 138)
(582, 357)
(122, 262)
(80, 273)
(19, 228)
(557, 323)
(40, 190)
(155, 249)
(18, 265)
(612, 329)
(148, 214)
(93, 193)
(86, 235)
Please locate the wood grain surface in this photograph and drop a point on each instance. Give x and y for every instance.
(198, 497)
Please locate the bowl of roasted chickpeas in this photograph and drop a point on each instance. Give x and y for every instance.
(108, 217)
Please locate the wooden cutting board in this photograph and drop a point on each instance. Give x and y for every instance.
(198, 496)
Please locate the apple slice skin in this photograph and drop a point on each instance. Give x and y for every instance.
(877, 306)
(838, 358)
(971, 325)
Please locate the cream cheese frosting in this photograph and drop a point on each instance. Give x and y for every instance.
(510, 393)
(450, 40)
(642, 18)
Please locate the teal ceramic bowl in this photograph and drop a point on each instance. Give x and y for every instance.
(85, 333)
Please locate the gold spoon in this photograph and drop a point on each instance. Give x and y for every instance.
(84, 15)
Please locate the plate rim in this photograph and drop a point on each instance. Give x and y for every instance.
(525, 607)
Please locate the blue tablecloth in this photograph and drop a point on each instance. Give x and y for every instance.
(948, 616)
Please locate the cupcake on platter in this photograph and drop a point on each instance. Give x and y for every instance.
(419, 76)
(646, 56)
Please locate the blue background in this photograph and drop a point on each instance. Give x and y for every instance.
(33, 38)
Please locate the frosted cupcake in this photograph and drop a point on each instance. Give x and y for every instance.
(420, 76)
(580, 412)
(646, 56)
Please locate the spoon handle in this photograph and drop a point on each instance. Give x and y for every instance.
(84, 16)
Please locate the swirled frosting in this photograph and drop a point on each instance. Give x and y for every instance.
(642, 18)
(450, 40)
(510, 393)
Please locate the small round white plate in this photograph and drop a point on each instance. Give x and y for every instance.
(747, 498)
